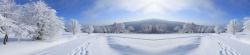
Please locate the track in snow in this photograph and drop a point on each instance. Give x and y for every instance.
(147, 46)
(225, 50)
(82, 50)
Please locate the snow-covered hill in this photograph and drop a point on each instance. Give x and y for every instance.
(132, 44)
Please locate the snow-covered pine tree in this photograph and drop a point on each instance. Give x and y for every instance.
(233, 26)
(218, 29)
(246, 26)
(74, 26)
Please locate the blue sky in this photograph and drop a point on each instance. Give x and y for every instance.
(104, 12)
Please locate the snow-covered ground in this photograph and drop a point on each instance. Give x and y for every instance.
(132, 44)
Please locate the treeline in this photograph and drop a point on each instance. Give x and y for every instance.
(115, 28)
(186, 28)
(158, 28)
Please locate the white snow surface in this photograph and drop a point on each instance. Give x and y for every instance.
(131, 44)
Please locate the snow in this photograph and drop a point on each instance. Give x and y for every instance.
(132, 44)
(27, 46)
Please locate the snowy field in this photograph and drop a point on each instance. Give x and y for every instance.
(131, 44)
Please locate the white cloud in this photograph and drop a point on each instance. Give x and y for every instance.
(156, 6)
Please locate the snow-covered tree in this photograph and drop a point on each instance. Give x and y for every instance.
(209, 30)
(192, 26)
(35, 20)
(202, 30)
(198, 29)
(115, 27)
(49, 25)
(97, 30)
(82, 29)
(160, 28)
(246, 26)
(9, 9)
(104, 29)
(233, 26)
(109, 29)
(74, 26)
(22, 31)
(9, 13)
(188, 27)
(130, 28)
(14, 15)
(6, 17)
(89, 29)
(178, 29)
(119, 28)
(6, 27)
(218, 29)
(146, 28)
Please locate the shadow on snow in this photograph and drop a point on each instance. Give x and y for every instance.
(178, 50)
